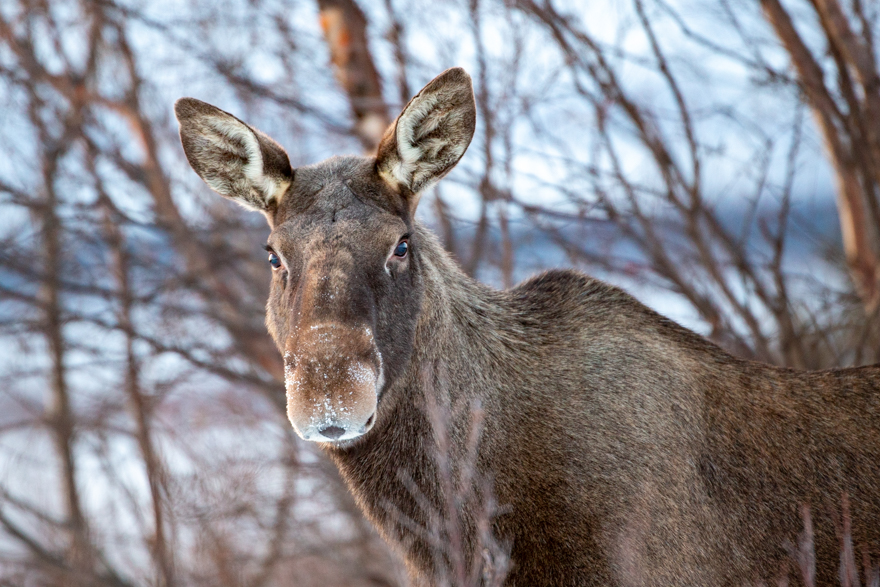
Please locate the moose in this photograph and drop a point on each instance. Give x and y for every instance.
(623, 449)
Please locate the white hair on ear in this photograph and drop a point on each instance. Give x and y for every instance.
(430, 135)
(418, 157)
(270, 189)
(408, 149)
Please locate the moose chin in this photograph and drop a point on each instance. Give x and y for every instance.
(622, 448)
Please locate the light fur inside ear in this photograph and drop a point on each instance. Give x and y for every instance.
(235, 160)
(430, 135)
(269, 189)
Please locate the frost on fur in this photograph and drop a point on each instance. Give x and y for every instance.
(430, 135)
(234, 159)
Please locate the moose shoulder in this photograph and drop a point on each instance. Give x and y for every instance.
(623, 448)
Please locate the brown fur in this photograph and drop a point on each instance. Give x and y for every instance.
(623, 448)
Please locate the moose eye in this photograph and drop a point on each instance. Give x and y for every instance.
(401, 249)
(274, 261)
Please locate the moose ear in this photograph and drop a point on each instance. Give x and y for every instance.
(430, 135)
(235, 160)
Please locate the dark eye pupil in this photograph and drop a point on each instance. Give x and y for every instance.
(274, 261)
(401, 249)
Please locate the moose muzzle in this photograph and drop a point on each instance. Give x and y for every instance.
(333, 376)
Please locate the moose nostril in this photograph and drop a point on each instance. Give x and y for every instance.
(370, 421)
(332, 431)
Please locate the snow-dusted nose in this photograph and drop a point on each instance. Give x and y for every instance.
(333, 378)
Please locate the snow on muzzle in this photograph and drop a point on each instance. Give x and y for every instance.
(333, 375)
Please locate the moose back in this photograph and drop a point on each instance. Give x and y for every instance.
(623, 449)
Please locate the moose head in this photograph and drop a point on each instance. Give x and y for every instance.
(347, 284)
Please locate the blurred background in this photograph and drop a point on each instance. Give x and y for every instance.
(720, 159)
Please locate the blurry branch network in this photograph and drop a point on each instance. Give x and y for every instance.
(848, 115)
(736, 286)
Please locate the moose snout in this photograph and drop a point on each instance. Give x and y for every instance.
(333, 375)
